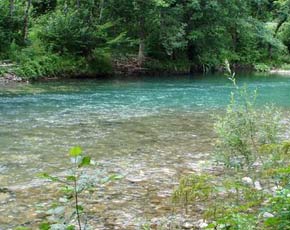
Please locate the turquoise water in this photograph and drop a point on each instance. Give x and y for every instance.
(132, 124)
(51, 116)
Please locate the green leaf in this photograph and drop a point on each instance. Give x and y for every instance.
(116, 177)
(85, 161)
(49, 177)
(80, 208)
(71, 178)
(75, 151)
(71, 227)
(68, 190)
(272, 221)
(44, 226)
(112, 177)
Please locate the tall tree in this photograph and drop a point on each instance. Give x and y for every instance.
(26, 20)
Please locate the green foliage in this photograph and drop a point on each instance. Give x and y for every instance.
(84, 37)
(244, 129)
(279, 206)
(252, 189)
(192, 188)
(73, 33)
(285, 67)
(10, 27)
(70, 212)
(235, 221)
(262, 67)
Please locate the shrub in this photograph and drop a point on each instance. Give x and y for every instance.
(262, 67)
(192, 188)
(244, 129)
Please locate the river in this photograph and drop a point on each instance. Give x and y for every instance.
(150, 130)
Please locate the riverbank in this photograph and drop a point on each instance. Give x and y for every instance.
(280, 72)
(37, 70)
(125, 67)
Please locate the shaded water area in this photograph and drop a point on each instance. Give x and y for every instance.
(150, 130)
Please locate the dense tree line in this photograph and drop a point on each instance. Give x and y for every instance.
(53, 36)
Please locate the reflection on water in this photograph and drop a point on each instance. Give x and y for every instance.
(150, 130)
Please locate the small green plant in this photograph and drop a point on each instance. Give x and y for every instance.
(70, 212)
(234, 221)
(244, 129)
(192, 188)
(72, 185)
(279, 208)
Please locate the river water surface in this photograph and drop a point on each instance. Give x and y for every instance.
(150, 130)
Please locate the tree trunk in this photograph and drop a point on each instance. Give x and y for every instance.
(141, 56)
(78, 4)
(101, 10)
(235, 36)
(26, 21)
(141, 53)
(11, 8)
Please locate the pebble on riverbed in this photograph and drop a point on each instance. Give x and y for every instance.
(267, 215)
(5, 195)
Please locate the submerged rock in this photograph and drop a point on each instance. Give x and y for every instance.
(247, 180)
(201, 224)
(187, 225)
(5, 195)
(258, 186)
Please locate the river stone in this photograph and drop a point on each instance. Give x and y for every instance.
(258, 185)
(247, 180)
(187, 225)
(136, 179)
(201, 224)
(4, 197)
(164, 193)
(268, 215)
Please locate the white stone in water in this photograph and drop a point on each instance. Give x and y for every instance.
(247, 180)
(187, 225)
(258, 186)
(202, 223)
(257, 163)
(268, 215)
(4, 196)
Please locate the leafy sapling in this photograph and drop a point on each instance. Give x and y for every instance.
(192, 189)
(70, 213)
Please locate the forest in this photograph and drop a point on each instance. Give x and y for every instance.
(46, 38)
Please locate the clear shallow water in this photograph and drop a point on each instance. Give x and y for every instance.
(153, 129)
